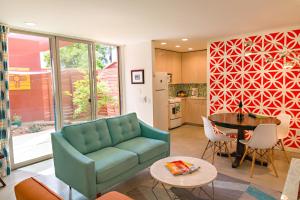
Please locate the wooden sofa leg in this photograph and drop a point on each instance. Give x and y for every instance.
(2, 182)
(99, 195)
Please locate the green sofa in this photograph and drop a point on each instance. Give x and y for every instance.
(92, 157)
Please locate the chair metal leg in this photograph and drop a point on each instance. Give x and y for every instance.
(253, 162)
(155, 183)
(243, 158)
(272, 162)
(205, 149)
(283, 149)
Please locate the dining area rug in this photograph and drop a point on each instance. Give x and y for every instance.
(225, 188)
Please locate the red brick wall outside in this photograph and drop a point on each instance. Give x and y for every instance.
(36, 104)
(26, 53)
(110, 74)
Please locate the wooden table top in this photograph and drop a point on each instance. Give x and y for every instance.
(229, 120)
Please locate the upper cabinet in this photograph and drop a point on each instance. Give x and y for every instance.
(187, 67)
(168, 61)
(193, 69)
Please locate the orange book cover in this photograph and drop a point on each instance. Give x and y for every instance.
(178, 167)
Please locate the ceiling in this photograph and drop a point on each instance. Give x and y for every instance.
(133, 21)
(178, 45)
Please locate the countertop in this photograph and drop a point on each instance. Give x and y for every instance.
(290, 190)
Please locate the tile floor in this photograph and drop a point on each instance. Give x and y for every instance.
(186, 140)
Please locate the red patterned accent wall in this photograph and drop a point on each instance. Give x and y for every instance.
(259, 79)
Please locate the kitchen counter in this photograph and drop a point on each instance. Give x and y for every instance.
(290, 191)
(193, 108)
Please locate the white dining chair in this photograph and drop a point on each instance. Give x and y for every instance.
(260, 145)
(282, 132)
(226, 131)
(216, 140)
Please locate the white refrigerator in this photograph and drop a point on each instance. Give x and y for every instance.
(160, 100)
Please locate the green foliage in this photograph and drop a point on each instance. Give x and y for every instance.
(16, 120)
(81, 95)
(76, 56)
(101, 56)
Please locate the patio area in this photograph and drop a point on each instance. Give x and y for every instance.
(31, 146)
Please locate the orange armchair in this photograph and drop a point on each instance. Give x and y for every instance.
(32, 189)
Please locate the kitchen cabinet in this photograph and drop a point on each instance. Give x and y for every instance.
(193, 110)
(193, 69)
(168, 61)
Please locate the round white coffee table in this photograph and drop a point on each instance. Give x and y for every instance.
(206, 174)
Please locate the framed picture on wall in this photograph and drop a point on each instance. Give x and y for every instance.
(137, 76)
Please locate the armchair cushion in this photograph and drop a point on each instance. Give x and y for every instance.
(145, 148)
(32, 189)
(114, 196)
(123, 128)
(111, 162)
(89, 136)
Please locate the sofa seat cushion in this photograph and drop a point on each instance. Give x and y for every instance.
(123, 128)
(89, 136)
(145, 148)
(111, 162)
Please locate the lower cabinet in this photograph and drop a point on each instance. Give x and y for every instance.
(193, 109)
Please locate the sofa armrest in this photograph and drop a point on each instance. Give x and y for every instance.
(72, 167)
(154, 133)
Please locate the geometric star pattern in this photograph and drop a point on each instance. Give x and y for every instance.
(259, 80)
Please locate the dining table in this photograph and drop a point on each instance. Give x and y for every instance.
(247, 123)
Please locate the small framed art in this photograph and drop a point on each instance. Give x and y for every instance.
(137, 76)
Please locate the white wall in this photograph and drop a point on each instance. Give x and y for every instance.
(137, 97)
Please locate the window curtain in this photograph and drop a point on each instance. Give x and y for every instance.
(4, 103)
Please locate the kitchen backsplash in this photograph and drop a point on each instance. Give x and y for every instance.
(174, 88)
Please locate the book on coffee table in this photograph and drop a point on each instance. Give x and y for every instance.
(180, 167)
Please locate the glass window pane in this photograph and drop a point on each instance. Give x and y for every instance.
(107, 81)
(75, 82)
(31, 97)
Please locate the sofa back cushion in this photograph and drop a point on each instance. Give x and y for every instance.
(123, 128)
(89, 136)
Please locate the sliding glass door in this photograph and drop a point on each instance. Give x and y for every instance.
(31, 97)
(107, 81)
(53, 82)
